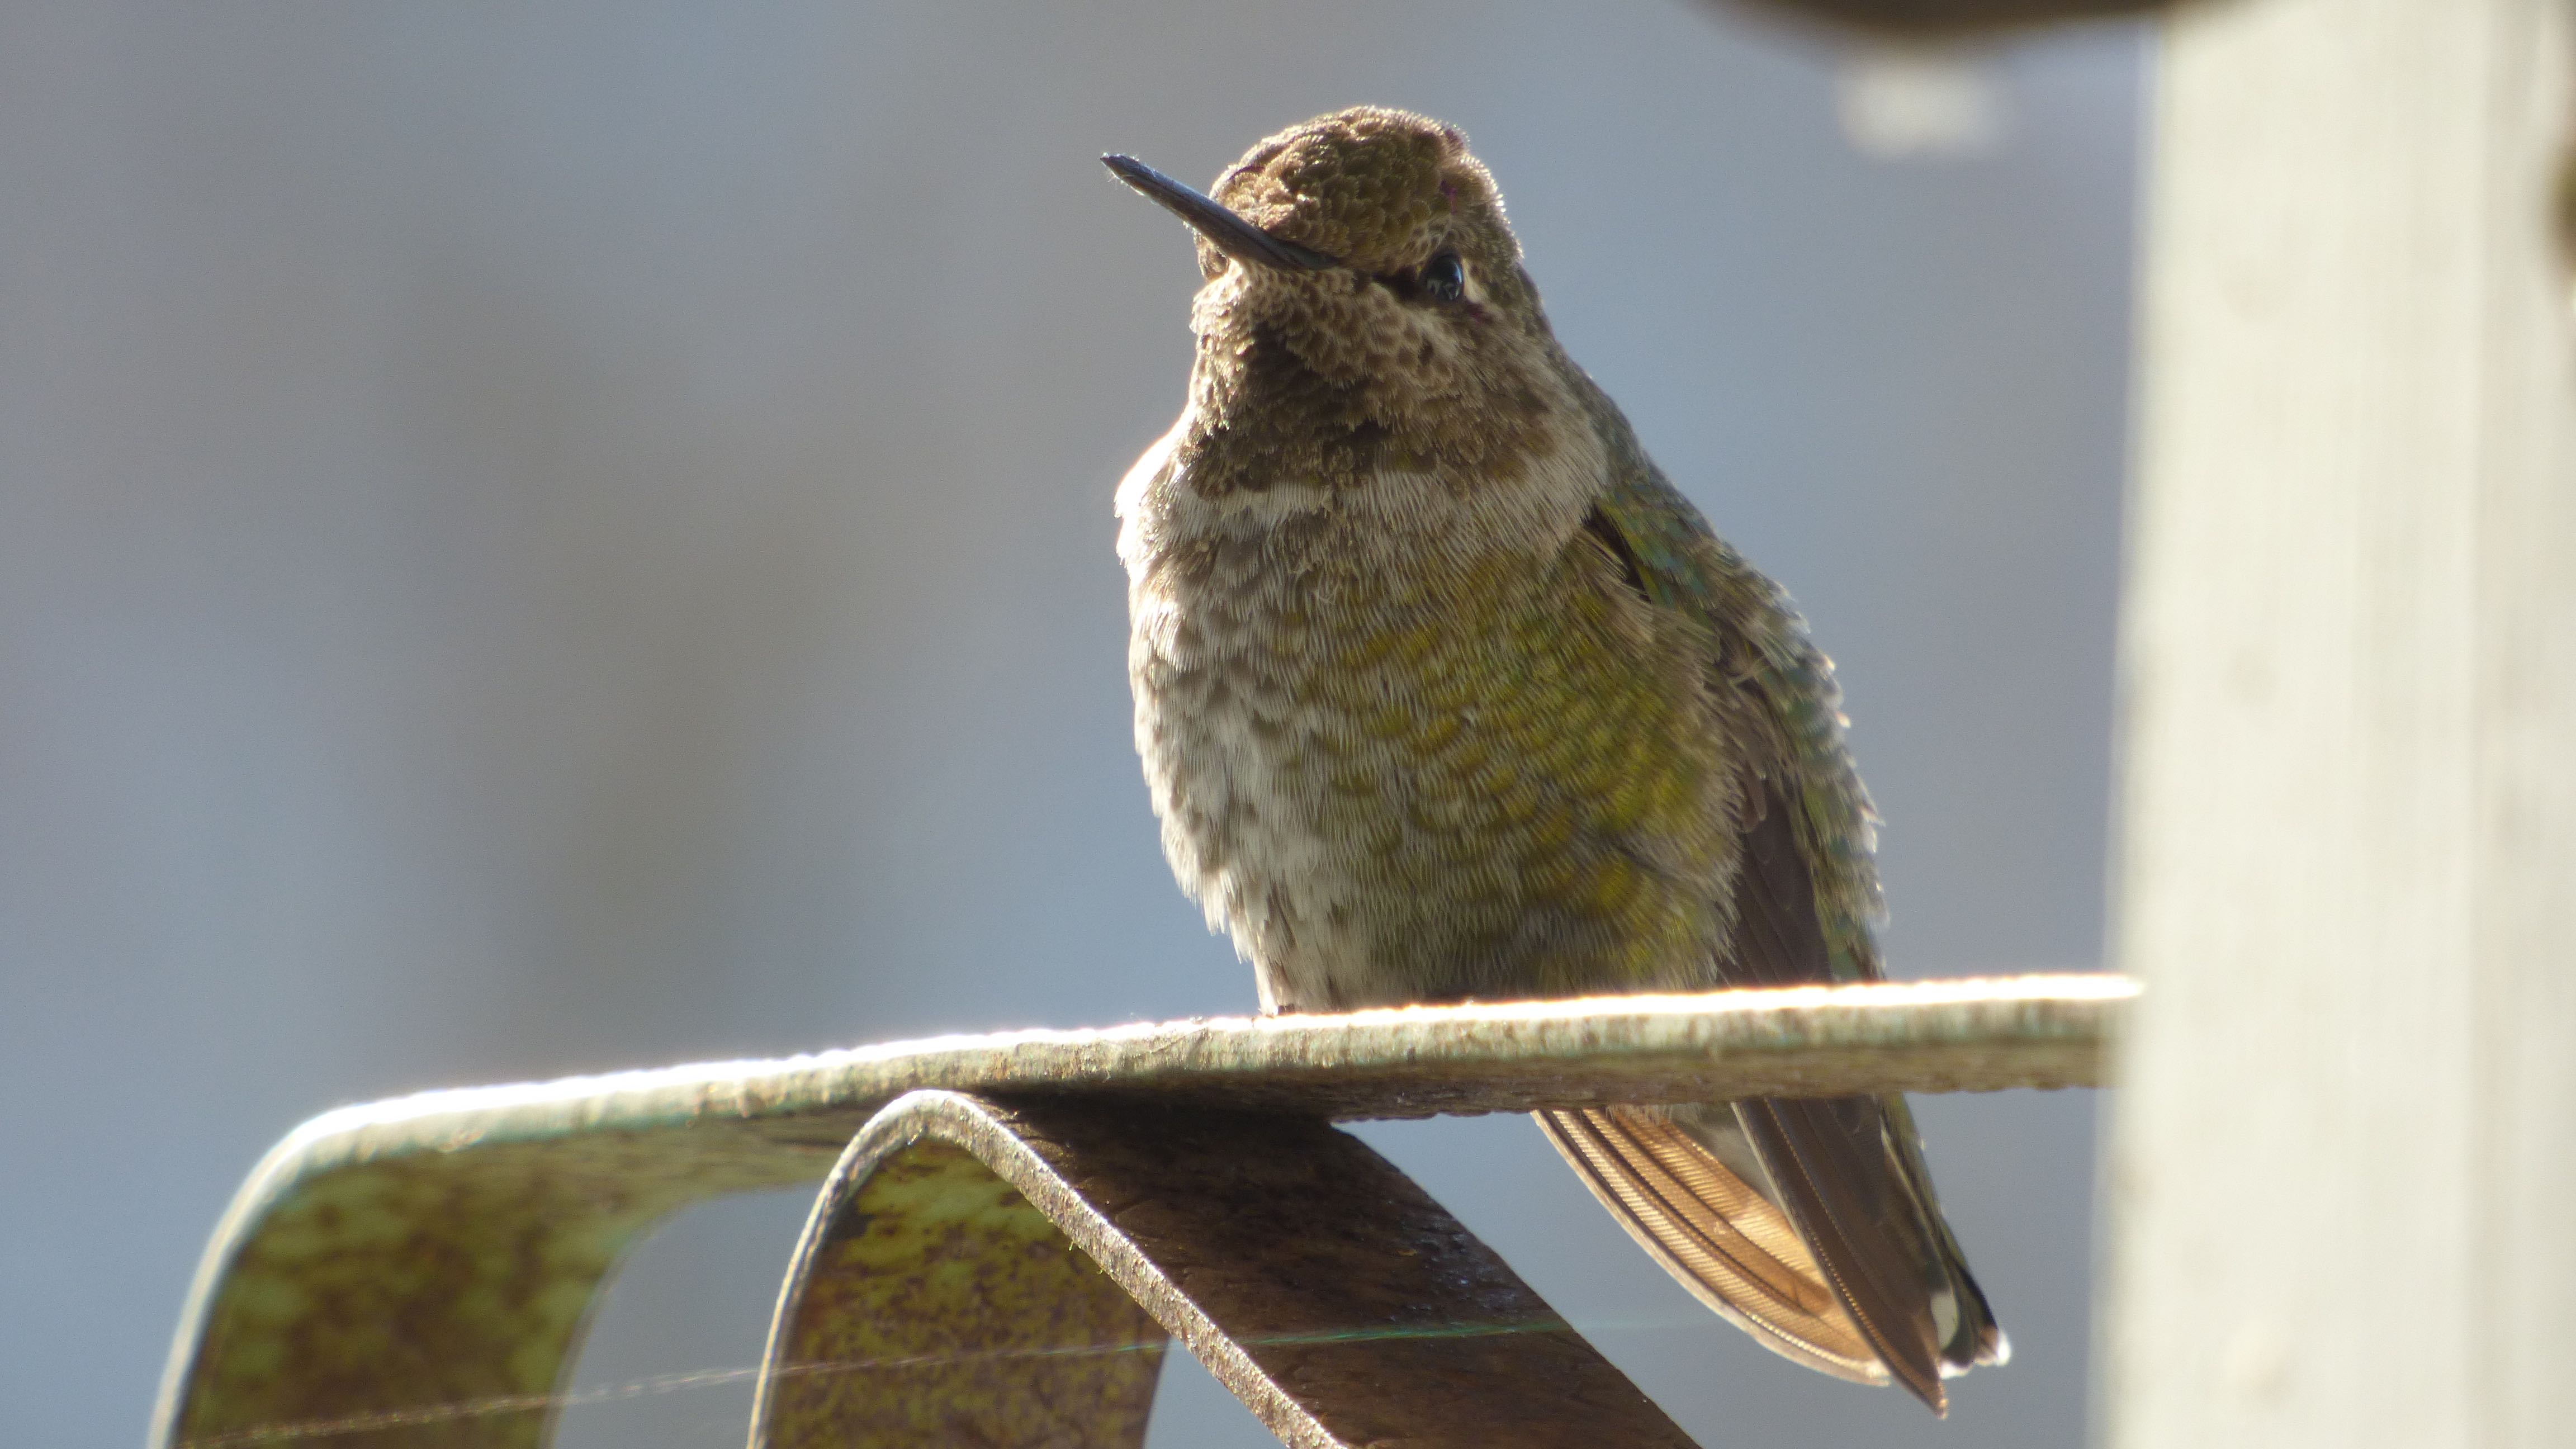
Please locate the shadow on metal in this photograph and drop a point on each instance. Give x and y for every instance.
(935, 1299)
(416, 1274)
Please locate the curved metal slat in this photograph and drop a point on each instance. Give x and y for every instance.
(930, 1304)
(422, 1267)
(1330, 1293)
(430, 1299)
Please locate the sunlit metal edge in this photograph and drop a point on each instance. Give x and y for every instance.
(2040, 1031)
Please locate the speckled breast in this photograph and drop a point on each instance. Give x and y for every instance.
(1401, 768)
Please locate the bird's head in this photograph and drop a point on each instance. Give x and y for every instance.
(1364, 308)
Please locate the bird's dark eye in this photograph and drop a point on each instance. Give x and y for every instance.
(1443, 278)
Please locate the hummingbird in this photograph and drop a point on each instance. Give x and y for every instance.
(1445, 694)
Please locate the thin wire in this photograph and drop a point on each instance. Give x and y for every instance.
(672, 1383)
(608, 1393)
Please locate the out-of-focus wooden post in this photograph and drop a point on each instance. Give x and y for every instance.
(2343, 1176)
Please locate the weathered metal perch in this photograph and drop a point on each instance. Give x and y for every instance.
(419, 1270)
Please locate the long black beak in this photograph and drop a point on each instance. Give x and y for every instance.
(1225, 231)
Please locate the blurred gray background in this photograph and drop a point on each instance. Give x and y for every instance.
(536, 539)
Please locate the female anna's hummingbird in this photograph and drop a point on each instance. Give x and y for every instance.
(1444, 693)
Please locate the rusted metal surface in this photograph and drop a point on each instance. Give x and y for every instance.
(427, 1299)
(1323, 1287)
(422, 1267)
(1944, 18)
(930, 1303)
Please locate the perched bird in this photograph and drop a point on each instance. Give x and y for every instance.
(1445, 694)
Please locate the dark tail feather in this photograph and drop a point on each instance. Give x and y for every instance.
(1831, 1167)
(1848, 1170)
(1976, 1338)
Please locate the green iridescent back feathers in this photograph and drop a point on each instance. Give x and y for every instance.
(1686, 567)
